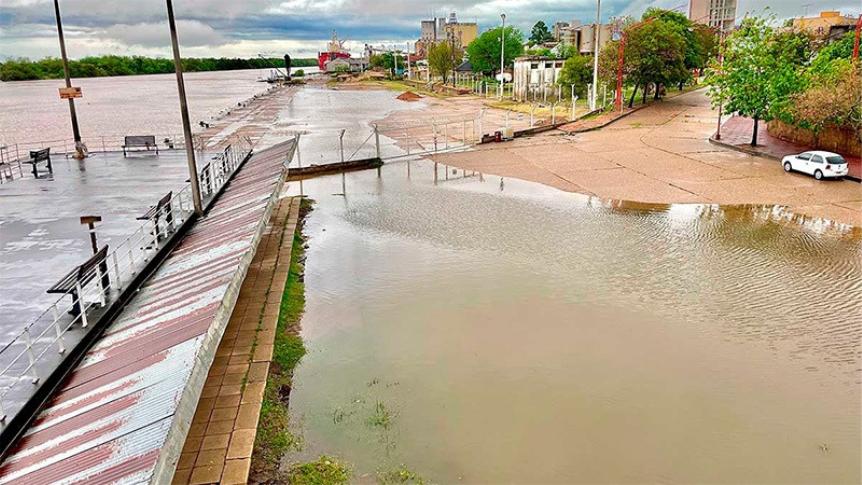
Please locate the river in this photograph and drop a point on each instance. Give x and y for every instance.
(32, 110)
(512, 333)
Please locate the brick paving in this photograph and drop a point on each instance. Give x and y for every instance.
(736, 132)
(221, 438)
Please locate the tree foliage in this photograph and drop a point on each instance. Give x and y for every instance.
(759, 72)
(443, 58)
(484, 52)
(540, 34)
(52, 68)
(577, 70)
(836, 102)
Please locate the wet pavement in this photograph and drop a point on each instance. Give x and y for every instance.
(41, 237)
(661, 154)
(488, 330)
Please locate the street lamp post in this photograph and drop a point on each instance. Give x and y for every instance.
(76, 133)
(184, 111)
(502, 55)
(598, 27)
(720, 98)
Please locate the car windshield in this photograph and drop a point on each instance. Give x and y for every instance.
(836, 160)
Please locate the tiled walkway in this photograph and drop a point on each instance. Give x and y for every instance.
(219, 444)
(736, 131)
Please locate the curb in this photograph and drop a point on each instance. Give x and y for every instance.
(752, 151)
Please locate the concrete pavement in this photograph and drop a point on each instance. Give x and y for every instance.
(661, 154)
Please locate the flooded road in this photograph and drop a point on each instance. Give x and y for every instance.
(475, 330)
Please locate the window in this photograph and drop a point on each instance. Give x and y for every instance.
(534, 65)
(804, 156)
(816, 159)
(836, 160)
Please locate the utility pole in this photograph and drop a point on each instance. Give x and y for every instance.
(184, 111)
(502, 55)
(598, 27)
(409, 75)
(76, 133)
(721, 64)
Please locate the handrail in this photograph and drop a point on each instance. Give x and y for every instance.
(48, 329)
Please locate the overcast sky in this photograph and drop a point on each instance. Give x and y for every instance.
(246, 28)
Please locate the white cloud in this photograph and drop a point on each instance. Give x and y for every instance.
(192, 33)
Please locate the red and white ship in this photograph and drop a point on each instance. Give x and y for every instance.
(335, 50)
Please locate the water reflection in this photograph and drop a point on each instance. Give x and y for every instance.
(531, 335)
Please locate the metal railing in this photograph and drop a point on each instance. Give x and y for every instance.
(39, 347)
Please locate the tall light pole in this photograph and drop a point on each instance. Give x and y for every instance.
(502, 56)
(76, 133)
(409, 76)
(184, 111)
(595, 92)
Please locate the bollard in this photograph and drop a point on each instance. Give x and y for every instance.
(377, 140)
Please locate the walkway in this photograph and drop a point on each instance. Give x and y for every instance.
(124, 413)
(220, 441)
(736, 131)
(661, 154)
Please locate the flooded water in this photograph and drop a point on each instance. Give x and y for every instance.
(487, 331)
(32, 110)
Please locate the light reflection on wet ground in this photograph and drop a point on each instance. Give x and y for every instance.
(530, 335)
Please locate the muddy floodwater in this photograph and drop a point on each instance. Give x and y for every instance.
(478, 331)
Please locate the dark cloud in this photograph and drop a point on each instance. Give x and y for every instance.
(237, 26)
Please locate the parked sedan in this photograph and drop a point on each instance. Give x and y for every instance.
(818, 163)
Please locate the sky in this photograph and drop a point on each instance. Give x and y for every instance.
(246, 28)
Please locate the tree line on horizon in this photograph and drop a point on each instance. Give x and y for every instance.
(23, 69)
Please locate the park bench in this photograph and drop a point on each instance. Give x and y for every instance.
(162, 208)
(139, 141)
(78, 278)
(40, 156)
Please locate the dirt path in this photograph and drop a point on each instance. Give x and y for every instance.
(661, 155)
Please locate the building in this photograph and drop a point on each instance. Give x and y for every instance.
(582, 36)
(534, 75)
(341, 64)
(720, 14)
(829, 25)
(441, 29)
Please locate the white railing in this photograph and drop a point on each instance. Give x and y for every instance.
(38, 348)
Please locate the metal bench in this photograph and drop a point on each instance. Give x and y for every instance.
(146, 142)
(163, 207)
(40, 156)
(74, 282)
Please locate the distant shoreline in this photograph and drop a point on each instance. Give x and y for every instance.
(107, 66)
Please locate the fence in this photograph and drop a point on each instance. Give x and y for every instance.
(39, 347)
(15, 153)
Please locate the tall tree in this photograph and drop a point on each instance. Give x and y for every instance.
(484, 52)
(759, 72)
(442, 59)
(540, 34)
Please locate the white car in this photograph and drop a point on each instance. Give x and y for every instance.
(818, 163)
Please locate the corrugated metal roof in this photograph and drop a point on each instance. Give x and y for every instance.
(123, 414)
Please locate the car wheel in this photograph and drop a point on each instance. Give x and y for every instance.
(818, 175)
(788, 167)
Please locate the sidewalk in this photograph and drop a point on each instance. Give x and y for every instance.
(736, 134)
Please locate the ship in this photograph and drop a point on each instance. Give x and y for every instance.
(335, 50)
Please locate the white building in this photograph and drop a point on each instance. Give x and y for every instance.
(534, 76)
(715, 13)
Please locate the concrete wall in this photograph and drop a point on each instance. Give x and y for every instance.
(535, 73)
(845, 141)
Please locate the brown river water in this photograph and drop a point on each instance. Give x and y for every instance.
(474, 333)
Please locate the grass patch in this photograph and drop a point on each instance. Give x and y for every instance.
(399, 475)
(324, 471)
(274, 438)
(382, 417)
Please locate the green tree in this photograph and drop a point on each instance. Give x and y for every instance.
(442, 59)
(577, 70)
(758, 75)
(540, 34)
(382, 61)
(484, 52)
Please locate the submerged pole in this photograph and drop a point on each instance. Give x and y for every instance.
(76, 132)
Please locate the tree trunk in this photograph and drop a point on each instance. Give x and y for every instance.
(646, 86)
(754, 134)
(632, 99)
(681, 85)
(657, 90)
